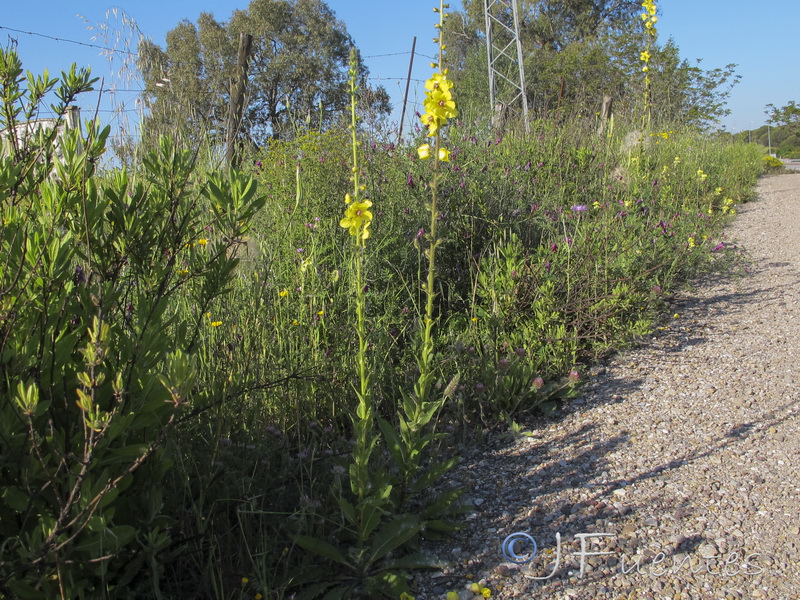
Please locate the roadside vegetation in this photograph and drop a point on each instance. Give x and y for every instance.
(248, 382)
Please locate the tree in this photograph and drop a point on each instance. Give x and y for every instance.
(577, 51)
(788, 116)
(297, 72)
(556, 24)
(685, 94)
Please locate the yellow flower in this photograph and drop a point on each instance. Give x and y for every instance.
(258, 597)
(438, 81)
(645, 56)
(202, 241)
(283, 293)
(692, 243)
(347, 199)
(486, 593)
(320, 312)
(295, 322)
(439, 103)
(216, 323)
(357, 218)
(245, 580)
(444, 154)
(431, 123)
(424, 151)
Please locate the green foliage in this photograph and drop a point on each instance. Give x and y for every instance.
(184, 361)
(297, 73)
(577, 52)
(96, 363)
(788, 115)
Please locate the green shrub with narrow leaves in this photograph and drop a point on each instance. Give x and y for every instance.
(96, 358)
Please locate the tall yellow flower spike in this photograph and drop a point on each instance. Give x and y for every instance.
(439, 104)
(650, 19)
(357, 216)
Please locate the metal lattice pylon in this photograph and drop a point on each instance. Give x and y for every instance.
(504, 53)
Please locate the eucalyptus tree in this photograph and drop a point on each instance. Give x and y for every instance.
(297, 72)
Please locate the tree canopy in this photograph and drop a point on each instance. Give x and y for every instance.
(297, 71)
(577, 51)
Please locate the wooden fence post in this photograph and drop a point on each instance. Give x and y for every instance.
(605, 114)
(238, 87)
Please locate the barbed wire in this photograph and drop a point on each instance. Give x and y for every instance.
(58, 39)
(129, 53)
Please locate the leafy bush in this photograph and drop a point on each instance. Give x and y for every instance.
(97, 354)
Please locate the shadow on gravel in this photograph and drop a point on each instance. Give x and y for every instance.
(521, 493)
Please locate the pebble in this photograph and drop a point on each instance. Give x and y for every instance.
(685, 447)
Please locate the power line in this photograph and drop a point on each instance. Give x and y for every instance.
(107, 49)
(390, 54)
(394, 79)
(58, 39)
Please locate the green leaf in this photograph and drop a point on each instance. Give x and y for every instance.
(548, 407)
(388, 583)
(15, 499)
(23, 591)
(321, 548)
(444, 501)
(439, 525)
(393, 535)
(414, 561)
(393, 442)
(314, 591)
(337, 593)
(347, 510)
(433, 474)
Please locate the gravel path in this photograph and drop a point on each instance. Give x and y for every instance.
(685, 451)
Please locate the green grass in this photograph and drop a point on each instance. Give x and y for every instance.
(232, 325)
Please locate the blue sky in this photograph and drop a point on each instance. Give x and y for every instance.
(760, 37)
